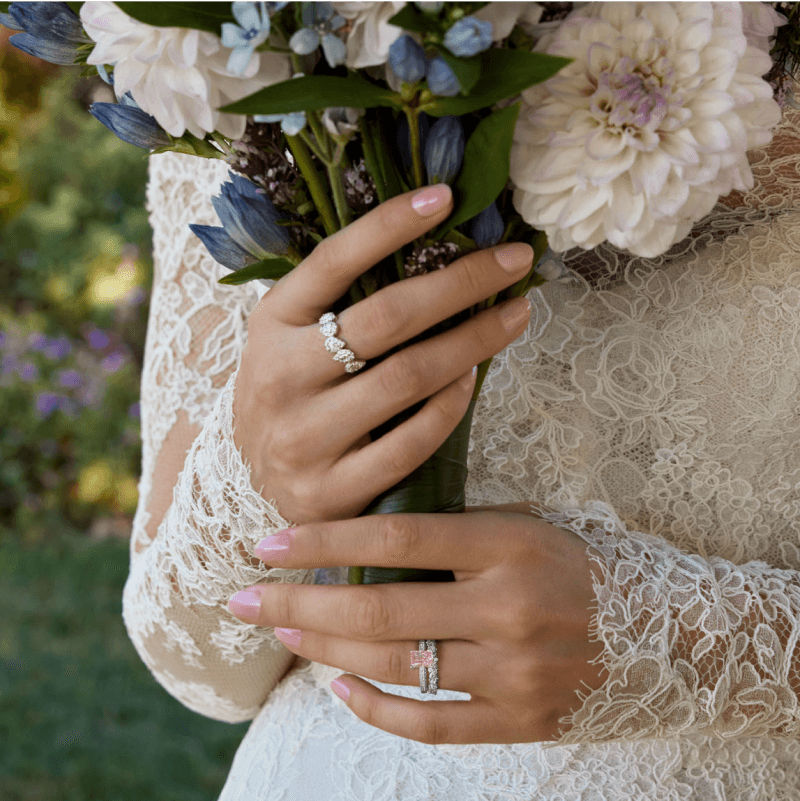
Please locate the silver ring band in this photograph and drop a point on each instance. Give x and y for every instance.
(427, 660)
(328, 327)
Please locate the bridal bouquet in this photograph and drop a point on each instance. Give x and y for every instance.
(567, 124)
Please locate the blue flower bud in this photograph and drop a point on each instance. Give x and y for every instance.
(222, 248)
(130, 124)
(487, 227)
(441, 79)
(407, 59)
(52, 31)
(444, 150)
(468, 36)
(249, 218)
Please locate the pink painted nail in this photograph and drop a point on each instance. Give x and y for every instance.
(290, 637)
(274, 548)
(430, 200)
(341, 689)
(246, 604)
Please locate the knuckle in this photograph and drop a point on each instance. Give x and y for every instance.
(368, 617)
(383, 316)
(451, 409)
(398, 460)
(429, 727)
(328, 255)
(284, 606)
(474, 276)
(398, 537)
(400, 377)
(396, 667)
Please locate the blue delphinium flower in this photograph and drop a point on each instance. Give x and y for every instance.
(407, 59)
(249, 232)
(52, 30)
(252, 30)
(129, 123)
(444, 150)
(468, 37)
(320, 21)
(487, 227)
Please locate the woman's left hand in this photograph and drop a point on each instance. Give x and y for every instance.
(512, 630)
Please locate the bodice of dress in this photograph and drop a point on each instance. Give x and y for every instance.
(651, 407)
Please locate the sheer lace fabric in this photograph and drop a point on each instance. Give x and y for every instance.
(651, 405)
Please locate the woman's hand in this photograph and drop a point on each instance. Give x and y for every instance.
(512, 630)
(303, 423)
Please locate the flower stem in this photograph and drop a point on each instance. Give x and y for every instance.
(416, 155)
(339, 197)
(318, 191)
(320, 134)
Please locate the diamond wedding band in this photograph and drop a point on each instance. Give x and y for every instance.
(328, 327)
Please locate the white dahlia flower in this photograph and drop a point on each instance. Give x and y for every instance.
(369, 35)
(178, 75)
(638, 137)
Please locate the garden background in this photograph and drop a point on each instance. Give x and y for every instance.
(80, 715)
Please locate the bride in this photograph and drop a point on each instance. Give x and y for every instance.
(624, 619)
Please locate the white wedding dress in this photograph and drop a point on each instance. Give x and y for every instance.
(654, 403)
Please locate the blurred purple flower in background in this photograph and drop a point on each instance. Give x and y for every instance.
(58, 348)
(37, 341)
(9, 365)
(47, 403)
(114, 361)
(2, 339)
(29, 372)
(96, 338)
(135, 410)
(70, 378)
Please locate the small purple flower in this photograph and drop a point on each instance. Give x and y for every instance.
(47, 403)
(135, 410)
(9, 365)
(2, 339)
(58, 348)
(97, 339)
(37, 341)
(29, 372)
(70, 378)
(114, 361)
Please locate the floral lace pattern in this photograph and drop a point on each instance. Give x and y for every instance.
(651, 404)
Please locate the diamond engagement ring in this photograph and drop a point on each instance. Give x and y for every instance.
(427, 660)
(328, 327)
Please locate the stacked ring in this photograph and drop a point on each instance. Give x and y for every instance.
(427, 660)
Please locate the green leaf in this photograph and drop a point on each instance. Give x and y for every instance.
(266, 268)
(410, 18)
(487, 161)
(466, 70)
(200, 16)
(504, 73)
(314, 92)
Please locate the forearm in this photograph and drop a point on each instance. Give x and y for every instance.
(175, 599)
(691, 645)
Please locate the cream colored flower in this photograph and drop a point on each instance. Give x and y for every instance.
(370, 35)
(638, 137)
(504, 16)
(178, 75)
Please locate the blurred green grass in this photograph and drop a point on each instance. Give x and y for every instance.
(80, 715)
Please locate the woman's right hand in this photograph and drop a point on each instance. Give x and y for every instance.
(303, 423)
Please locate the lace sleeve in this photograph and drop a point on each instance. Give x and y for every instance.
(691, 645)
(198, 518)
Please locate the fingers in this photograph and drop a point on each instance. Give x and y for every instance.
(405, 309)
(390, 662)
(363, 402)
(457, 722)
(311, 288)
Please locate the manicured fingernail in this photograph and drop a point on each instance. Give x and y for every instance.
(469, 379)
(514, 313)
(290, 637)
(341, 689)
(274, 549)
(513, 257)
(431, 199)
(246, 604)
